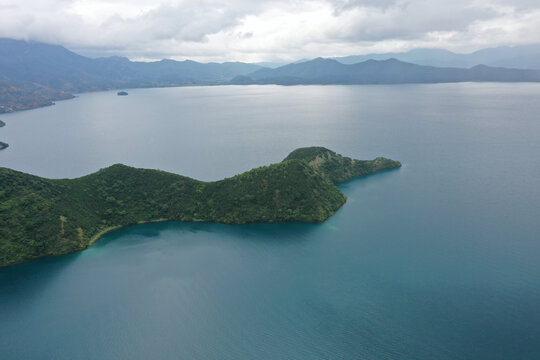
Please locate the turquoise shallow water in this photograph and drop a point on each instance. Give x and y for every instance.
(436, 260)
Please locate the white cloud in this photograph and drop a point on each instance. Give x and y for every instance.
(268, 29)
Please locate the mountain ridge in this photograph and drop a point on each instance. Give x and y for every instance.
(42, 73)
(519, 57)
(389, 71)
(34, 74)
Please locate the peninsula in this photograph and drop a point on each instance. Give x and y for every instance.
(3, 145)
(43, 217)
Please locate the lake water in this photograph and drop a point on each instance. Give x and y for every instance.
(437, 260)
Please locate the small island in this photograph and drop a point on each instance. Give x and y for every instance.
(2, 124)
(122, 93)
(43, 217)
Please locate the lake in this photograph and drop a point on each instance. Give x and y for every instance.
(436, 260)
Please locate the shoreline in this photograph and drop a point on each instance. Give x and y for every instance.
(96, 238)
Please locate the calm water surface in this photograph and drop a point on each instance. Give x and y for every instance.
(436, 260)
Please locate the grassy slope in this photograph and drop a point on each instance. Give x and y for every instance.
(339, 168)
(41, 217)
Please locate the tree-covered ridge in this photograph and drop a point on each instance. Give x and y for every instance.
(41, 217)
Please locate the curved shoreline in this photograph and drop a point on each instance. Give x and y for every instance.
(96, 238)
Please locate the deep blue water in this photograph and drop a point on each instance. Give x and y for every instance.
(436, 260)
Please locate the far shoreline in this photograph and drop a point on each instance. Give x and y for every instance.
(115, 90)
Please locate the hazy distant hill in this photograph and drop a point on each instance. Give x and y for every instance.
(50, 72)
(35, 74)
(392, 71)
(519, 57)
(58, 68)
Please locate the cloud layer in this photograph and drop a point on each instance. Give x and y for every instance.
(267, 30)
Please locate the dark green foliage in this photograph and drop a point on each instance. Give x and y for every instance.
(40, 217)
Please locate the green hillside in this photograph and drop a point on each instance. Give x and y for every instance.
(42, 217)
(339, 168)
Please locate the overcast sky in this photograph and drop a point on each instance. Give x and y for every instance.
(268, 30)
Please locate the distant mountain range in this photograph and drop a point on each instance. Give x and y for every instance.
(518, 57)
(58, 68)
(38, 74)
(35, 74)
(392, 71)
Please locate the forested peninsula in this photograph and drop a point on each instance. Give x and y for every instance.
(43, 217)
